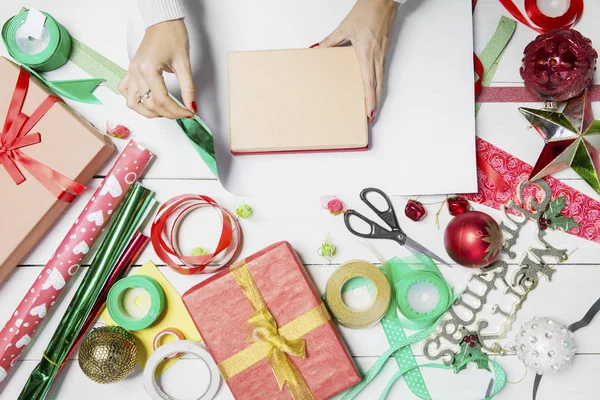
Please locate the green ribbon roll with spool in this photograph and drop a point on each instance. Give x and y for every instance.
(48, 52)
(422, 293)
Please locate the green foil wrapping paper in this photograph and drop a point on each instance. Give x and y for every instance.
(127, 220)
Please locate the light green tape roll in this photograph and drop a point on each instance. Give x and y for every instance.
(412, 281)
(116, 297)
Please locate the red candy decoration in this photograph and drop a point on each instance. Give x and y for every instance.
(558, 65)
(457, 206)
(415, 210)
(473, 239)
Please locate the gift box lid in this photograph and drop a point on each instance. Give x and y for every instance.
(220, 311)
(296, 100)
(69, 145)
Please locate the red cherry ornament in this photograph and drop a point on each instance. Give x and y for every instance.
(457, 206)
(415, 210)
(558, 65)
(473, 239)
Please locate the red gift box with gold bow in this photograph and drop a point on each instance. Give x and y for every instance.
(268, 330)
(47, 154)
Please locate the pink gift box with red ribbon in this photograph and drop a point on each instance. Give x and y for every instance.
(47, 154)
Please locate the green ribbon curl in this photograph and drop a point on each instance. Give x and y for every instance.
(52, 57)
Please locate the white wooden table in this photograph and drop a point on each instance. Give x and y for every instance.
(303, 222)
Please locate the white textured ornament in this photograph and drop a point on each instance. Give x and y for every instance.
(545, 345)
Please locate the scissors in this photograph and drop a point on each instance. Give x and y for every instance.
(379, 232)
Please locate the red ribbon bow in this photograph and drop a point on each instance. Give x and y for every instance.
(14, 136)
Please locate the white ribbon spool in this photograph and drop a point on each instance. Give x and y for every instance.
(179, 346)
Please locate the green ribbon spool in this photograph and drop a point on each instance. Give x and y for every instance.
(54, 55)
(404, 276)
(117, 311)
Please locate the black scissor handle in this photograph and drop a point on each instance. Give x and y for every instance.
(376, 230)
(388, 215)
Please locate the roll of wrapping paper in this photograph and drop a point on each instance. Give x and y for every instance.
(340, 311)
(126, 222)
(131, 253)
(54, 55)
(70, 253)
(164, 235)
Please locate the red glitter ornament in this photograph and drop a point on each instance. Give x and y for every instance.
(558, 65)
(415, 210)
(473, 239)
(457, 205)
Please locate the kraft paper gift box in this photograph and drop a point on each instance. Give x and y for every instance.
(254, 352)
(69, 145)
(296, 100)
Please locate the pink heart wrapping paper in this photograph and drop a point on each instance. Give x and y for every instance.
(65, 262)
(220, 310)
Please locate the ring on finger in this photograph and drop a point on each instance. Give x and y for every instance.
(144, 96)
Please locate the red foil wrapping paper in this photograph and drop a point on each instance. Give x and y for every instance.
(65, 262)
(220, 311)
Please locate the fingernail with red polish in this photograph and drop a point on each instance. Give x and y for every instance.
(194, 107)
(372, 117)
(314, 45)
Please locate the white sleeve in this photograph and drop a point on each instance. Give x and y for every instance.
(155, 11)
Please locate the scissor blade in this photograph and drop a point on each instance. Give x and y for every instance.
(416, 248)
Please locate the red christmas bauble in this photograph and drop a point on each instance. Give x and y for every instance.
(473, 239)
(558, 65)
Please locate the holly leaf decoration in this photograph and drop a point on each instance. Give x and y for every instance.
(555, 207)
(554, 215)
(468, 354)
(562, 222)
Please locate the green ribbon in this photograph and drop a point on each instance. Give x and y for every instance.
(53, 56)
(97, 65)
(402, 274)
(492, 53)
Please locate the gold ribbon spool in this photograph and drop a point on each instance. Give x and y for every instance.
(341, 312)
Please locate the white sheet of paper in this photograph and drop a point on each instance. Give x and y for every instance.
(423, 141)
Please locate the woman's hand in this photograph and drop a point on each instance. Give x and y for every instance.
(165, 48)
(368, 27)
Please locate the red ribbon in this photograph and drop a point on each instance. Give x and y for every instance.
(14, 136)
(479, 71)
(164, 235)
(540, 21)
(494, 176)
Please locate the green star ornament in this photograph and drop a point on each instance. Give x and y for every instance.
(572, 139)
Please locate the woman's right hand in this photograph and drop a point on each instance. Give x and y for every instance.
(164, 48)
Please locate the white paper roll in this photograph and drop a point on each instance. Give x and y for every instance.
(179, 346)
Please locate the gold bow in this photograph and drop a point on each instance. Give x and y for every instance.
(271, 342)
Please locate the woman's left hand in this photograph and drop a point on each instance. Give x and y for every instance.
(368, 27)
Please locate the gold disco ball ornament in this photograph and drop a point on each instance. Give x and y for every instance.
(108, 354)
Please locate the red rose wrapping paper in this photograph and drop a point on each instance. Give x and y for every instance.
(584, 209)
(64, 263)
(220, 311)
